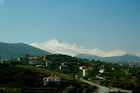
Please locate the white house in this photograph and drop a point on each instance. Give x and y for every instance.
(52, 79)
(102, 70)
(64, 68)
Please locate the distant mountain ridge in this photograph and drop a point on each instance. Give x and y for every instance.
(15, 50)
(124, 58)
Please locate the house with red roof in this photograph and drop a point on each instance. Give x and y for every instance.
(102, 70)
(48, 64)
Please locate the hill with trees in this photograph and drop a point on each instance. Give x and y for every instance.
(15, 50)
(124, 58)
(19, 75)
(29, 79)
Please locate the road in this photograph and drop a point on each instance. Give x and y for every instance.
(103, 89)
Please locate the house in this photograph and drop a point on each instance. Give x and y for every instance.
(48, 64)
(3, 60)
(82, 67)
(34, 62)
(102, 70)
(64, 68)
(85, 72)
(52, 79)
(18, 59)
(113, 68)
(3, 63)
(64, 63)
(102, 66)
(38, 65)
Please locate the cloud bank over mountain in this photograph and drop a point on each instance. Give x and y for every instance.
(54, 46)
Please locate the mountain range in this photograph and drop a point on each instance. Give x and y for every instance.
(124, 58)
(15, 50)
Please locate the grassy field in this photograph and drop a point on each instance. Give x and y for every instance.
(44, 71)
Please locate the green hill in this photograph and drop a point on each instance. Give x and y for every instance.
(15, 50)
(29, 79)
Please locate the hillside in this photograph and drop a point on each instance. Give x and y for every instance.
(15, 50)
(29, 79)
(24, 77)
(124, 58)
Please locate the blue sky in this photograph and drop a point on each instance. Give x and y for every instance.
(103, 24)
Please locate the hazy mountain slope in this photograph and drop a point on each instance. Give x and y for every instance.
(124, 58)
(8, 50)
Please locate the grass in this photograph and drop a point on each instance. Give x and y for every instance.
(22, 84)
(44, 71)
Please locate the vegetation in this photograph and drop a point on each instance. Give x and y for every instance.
(125, 59)
(25, 78)
(10, 51)
(124, 77)
(20, 77)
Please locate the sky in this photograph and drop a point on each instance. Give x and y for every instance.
(94, 24)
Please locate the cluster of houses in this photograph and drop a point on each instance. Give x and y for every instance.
(86, 71)
(48, 64)
(47, 79)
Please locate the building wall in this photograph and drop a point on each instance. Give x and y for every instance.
(53, 80)
(85, 72)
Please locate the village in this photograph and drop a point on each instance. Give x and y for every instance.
(88, 69)
(83, 71)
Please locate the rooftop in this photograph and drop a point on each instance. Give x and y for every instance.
(52, 77)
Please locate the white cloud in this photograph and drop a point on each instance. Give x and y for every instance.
(138, 54)
(54, 46)
(2, 2)
(116, 52)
